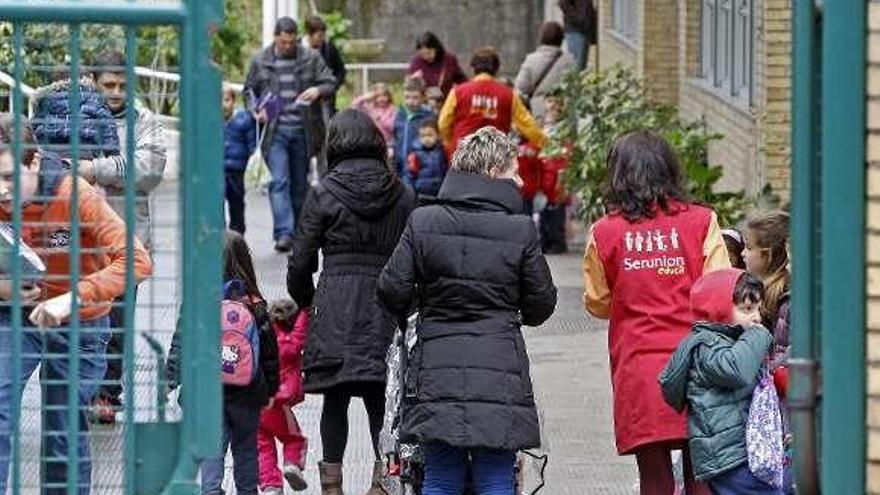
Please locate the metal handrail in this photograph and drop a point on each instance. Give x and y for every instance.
(363, 68)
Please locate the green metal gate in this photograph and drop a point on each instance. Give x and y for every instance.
(152, 455)
(827, 395)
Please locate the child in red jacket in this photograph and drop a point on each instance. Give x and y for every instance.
(277, 421)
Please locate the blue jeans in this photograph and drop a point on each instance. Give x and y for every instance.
(288, 161)
(741, 481)
(51, 348)
(578, 47)
(446, 469)
(240, 425)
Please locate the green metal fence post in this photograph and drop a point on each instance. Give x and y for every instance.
(805, 307)
(203, 229)
(843, 247)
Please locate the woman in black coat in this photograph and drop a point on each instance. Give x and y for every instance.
(355, 217)
(472, 265)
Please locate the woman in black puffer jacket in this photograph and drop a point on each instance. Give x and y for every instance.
(354, 217)
(472, 265)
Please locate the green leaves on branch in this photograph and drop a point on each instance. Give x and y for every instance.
(599, 107)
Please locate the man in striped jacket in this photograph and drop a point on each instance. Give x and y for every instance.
(109, 173)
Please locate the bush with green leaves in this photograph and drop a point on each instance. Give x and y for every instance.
(603, 105)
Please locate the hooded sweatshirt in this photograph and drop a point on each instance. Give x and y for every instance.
(714, 372)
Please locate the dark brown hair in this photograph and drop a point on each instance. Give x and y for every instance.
(239, 264)
(353, 134)
(430, 123)
(109, 62)
(430, 40)
(644, 175)
(733, 241)
(551, 33)
(748, 288)
(7, 136)
(485, 60)
(315, 24)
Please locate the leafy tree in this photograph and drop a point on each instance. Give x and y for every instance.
(599, 107)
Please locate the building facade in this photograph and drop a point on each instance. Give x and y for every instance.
(726, 63)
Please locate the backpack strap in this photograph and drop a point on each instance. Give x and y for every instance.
(234, 290)
(544, 74)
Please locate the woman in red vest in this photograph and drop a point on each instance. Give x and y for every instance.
(640, 262)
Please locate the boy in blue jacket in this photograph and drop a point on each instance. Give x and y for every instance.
(409, 118)
(427, 163)
(239, 143)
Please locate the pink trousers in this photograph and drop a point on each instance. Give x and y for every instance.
(279, 423)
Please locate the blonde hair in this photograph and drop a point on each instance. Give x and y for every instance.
(228, 90)
(768, 232)
(382, 88)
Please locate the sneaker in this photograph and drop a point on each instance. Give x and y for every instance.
(294, 476)
(103, 412)
(284, 245)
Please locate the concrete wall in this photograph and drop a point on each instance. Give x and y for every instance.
(462, 25)
(872, 230)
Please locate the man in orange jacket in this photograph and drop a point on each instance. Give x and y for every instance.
(484, 101)
(46, 196)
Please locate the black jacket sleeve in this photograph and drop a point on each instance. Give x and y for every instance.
(251, 84)
(303, 259)
(537, 292)
(337, 64)
(396, 288)
(269, 359)
(172, 364)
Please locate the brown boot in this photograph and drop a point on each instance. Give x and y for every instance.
(378, 473)
(331, 478)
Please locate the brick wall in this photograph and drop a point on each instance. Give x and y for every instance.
(756, 148)
(613, 49)
(737, 152)
(775, 119)
(660, 53)
(873, 249)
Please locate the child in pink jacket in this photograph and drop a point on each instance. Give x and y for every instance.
(277, 421)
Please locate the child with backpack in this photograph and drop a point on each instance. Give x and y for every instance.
(718, 373)
(249, 369)
(427, 163)
(278, 422)
(766, 256)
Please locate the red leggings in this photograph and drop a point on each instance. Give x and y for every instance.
(279, 423)
(655, 471)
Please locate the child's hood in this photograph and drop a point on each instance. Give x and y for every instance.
(712, 295)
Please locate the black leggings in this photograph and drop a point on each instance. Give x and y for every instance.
(334, 417)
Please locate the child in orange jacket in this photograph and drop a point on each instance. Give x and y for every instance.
(277, 421)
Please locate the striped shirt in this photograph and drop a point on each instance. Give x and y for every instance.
(289, 88)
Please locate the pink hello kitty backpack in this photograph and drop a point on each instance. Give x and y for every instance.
(240, 340)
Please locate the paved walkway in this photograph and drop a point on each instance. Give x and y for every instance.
(569, 368)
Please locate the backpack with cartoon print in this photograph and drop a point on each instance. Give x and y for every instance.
(240, 340)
